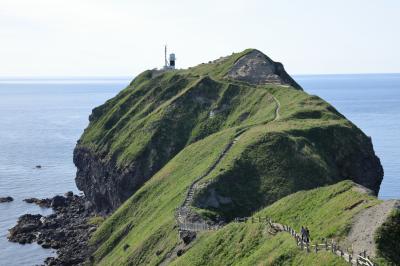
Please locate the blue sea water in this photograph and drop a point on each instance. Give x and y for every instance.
(41, 120)
(372, 102)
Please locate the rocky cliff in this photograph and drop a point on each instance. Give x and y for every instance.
(135, 134)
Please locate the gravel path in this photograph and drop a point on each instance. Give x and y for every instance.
(361, 235)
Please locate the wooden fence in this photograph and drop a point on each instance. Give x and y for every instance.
(354, 259)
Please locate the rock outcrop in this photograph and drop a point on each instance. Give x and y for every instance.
(67, 230)
(103, 182)
(6, 199)
(257, 68)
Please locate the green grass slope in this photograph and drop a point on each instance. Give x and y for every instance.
(387, 239)
(309, 146)
(327, 212)
(146, 221)
(143, 230)
(136, 133)
(150, 142)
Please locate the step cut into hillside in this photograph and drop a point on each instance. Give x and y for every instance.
(289, 140)
(257, 68)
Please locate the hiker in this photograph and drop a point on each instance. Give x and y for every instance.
(307, 234)
(303, 234)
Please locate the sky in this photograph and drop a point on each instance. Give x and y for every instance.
(126, 37)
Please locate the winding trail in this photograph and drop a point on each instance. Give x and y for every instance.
(184, 210)
(359, 258)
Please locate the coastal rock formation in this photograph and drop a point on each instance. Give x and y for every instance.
(132, 136)
(67, 230)
(257, 68)
(103, 182)
(6, 199)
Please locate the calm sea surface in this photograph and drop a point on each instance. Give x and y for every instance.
(41, 120)
(372, 102)
(40, 123)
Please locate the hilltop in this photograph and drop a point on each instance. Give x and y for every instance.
(210, 144)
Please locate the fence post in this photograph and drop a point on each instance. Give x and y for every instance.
(316, 247)
(326, 244)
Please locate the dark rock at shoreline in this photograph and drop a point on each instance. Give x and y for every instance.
(44, 203)
(58, 201)
(6, 199)
(67, 230)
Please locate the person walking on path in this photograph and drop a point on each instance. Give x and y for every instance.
(307, 234)
(303, 234)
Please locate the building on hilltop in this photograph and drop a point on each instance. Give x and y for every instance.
(169, 64)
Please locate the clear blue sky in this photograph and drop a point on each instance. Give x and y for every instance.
(124, 37)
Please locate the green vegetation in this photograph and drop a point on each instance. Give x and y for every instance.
(387, 239)
(146, 222)
(258, 171)
(172, 127)
(96, 220)
(250, 245)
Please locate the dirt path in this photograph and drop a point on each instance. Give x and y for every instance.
(361, 235)
(278, 108)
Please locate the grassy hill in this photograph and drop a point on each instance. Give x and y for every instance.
(141, 233)
(133, 135)
(145, 147)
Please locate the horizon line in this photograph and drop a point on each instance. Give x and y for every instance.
(124, 77)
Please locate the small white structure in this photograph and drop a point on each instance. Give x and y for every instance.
(172, 61)
(169, 64)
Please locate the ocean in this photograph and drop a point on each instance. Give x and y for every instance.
(41, 120)
(372, 102)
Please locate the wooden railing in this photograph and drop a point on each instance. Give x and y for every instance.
(328, 246)
(355, 259)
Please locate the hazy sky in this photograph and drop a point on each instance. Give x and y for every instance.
(123, 38)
